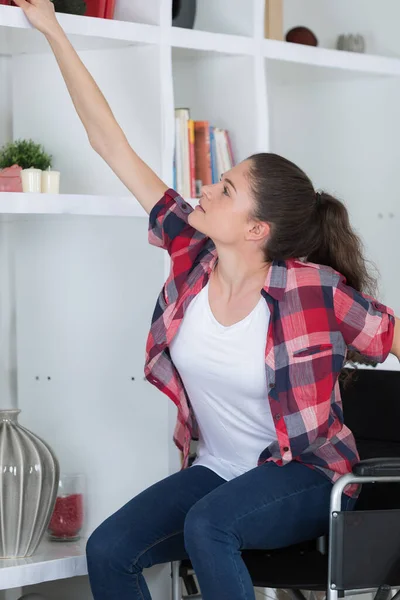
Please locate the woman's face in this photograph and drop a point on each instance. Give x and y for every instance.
(225, 209)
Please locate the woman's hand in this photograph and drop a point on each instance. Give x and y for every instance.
(41, 15)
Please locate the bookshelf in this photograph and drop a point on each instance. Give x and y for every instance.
(82, 257)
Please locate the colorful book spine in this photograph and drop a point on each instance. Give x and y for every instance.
(213, 154)
(110, 9)
(183, 153)
(192, 159)
(95, 8)
(202, 153)
(230, 149)
(178, 156)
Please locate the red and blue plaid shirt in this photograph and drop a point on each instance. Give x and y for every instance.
(315, 319)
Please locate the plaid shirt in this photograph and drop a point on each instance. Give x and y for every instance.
(315, 318)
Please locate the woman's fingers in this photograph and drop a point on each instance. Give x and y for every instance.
(22, 4)
(40, 13)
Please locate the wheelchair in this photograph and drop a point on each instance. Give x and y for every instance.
(361, 553)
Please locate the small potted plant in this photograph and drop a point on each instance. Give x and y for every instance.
(18, 155)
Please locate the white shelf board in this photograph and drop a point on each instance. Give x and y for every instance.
(52, 560)
(295, 62)
(65, 204)
(192, 39)
(17, 36)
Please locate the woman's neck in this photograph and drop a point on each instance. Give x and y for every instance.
(238, 274)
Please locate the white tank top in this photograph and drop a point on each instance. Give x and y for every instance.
(223, 371)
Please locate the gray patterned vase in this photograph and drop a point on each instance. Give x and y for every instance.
(29, 475)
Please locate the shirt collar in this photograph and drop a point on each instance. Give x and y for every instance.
(275, 283)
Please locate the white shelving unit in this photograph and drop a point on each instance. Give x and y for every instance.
(53, 560)
(25, 205)
(86, 279)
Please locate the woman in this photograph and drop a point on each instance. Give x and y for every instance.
(261, 309)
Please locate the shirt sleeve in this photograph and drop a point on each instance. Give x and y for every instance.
(367, 325)
(168, 224)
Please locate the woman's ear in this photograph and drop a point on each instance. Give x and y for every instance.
(257, 231)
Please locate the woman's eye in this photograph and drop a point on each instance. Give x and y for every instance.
(226, 191)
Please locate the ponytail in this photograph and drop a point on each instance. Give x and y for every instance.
(338, 246)
(306, 224)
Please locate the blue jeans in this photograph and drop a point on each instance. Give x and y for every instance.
(198, 514)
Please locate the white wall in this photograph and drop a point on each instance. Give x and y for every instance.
(226, 16)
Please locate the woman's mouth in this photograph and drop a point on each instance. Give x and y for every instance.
(199, 208)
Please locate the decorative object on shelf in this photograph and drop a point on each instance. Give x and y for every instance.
(110, 9)
(10, 179)
(302, 35)
(50, 182)
(95, 8)
(67, 519)
(26, 154)
(184, 13)
(73, 7)
(103, 9)
(351, 43)
(29, 475)
(273, 23)
(31, 180)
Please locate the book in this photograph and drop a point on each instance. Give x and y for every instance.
(183, 152)
(213, 156)
(110, 9)
(178, 158)
(273, 26)
(230, 149)
(95, 8)
(192, 159)
(202, 152)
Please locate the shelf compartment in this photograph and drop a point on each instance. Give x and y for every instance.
(377, 22)
(206, 83)
(226, 16)
(130, 79)
(294, 63)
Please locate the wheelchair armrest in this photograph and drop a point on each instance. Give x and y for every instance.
(378, 467)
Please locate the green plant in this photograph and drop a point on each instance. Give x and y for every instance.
(74, 7)
(26, 154)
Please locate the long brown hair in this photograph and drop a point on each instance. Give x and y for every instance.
(307, 224)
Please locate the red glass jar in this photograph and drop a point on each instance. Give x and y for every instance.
(67, 518)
